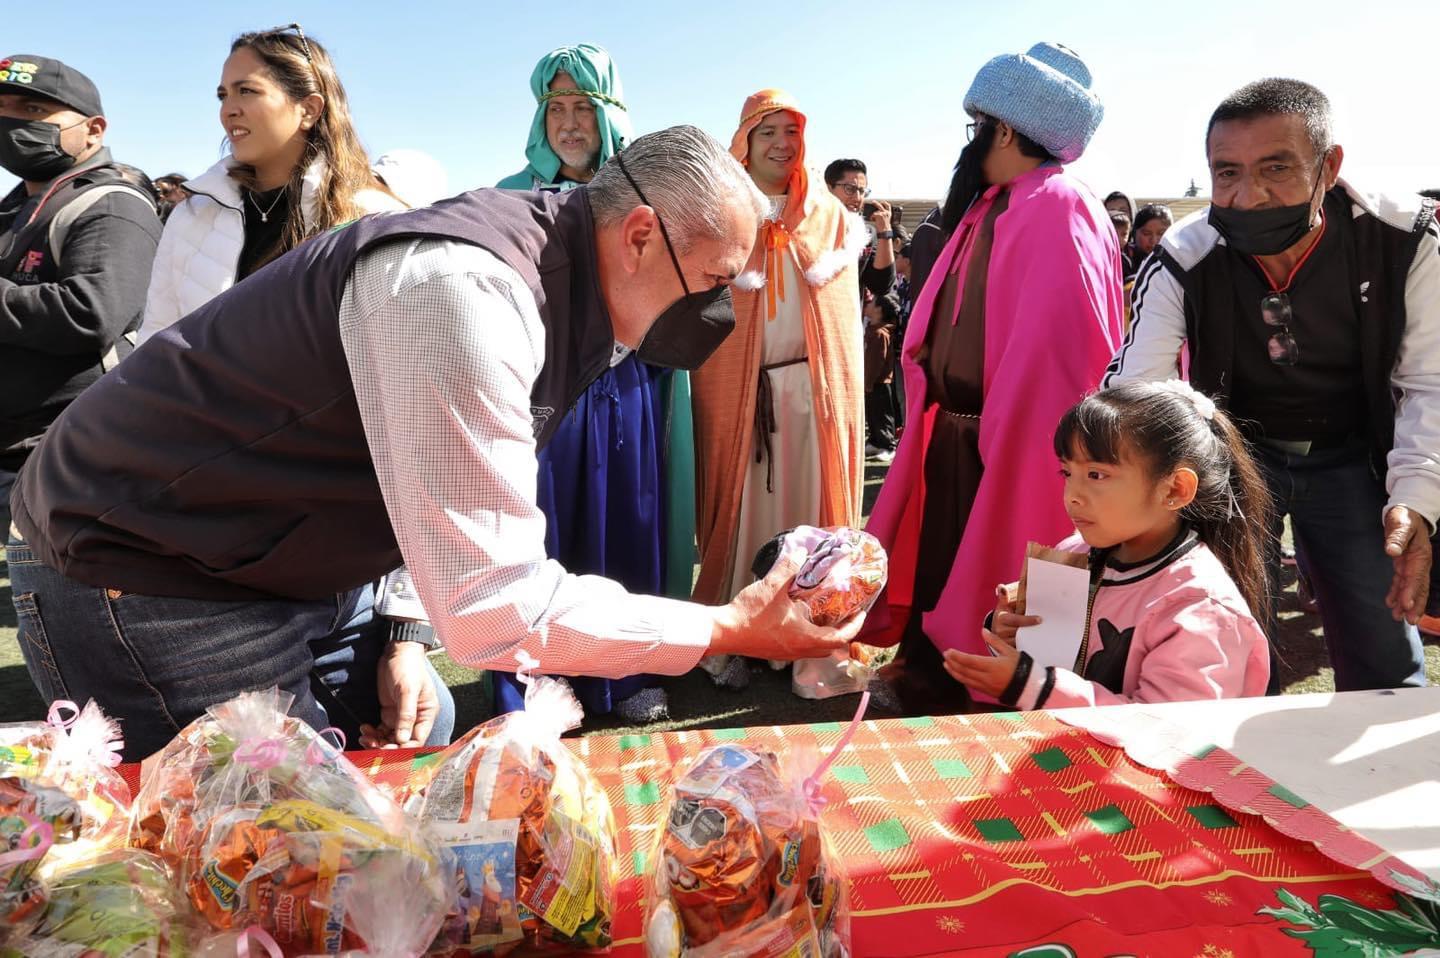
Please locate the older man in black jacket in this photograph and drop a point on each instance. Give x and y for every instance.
(77, 236)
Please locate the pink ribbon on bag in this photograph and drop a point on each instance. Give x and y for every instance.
(263, 754)
(109, 756)
(35, 829)
(315, 754)
(810, 788)
(57, 719)
(262, 938)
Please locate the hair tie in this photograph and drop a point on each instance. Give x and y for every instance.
(1203, 404)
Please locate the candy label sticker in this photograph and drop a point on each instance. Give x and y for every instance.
(484, 883)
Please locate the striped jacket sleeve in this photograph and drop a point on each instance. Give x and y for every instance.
(1413, 473)
(1151, 349)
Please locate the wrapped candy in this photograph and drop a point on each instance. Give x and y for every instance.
(842, 572)
(121, 905)
(743, 866)
(246, 751)
(270, 827)
(62, 804)
(531, 829)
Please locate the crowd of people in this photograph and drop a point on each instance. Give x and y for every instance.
(259, 436)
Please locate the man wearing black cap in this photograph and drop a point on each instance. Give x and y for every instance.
(77, 236)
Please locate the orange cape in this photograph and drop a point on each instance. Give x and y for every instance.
(826, 241)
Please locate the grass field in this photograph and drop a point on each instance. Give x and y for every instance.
(696, 703)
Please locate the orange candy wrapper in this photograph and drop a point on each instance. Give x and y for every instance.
(270, 826)
(531, 830)
(742, 866)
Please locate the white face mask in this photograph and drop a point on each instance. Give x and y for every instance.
(618, 353)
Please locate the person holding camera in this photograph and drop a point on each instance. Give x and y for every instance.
(848, 181)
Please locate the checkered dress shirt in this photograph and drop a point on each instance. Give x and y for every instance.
(444, 343)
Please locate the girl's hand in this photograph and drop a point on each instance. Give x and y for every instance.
(1006, 622)
(990, 674)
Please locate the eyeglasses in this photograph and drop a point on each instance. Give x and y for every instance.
(1275, 311)
(972, 128)
(850, 189)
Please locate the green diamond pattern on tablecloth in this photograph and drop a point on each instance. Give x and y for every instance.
(1052, 760)
(637, 861)
(854, 774)
(826, 726)
(421, 761)
(645, 793)
(1211, 816)
(1287, 796)
(728, 734)
(1110, 820)
(996, 830)
(948, 768)
(918, 721)
(888, 835)
(628, 742)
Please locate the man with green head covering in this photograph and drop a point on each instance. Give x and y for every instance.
(580, 121)
(617, 481)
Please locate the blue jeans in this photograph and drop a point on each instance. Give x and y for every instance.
(7, 482)
(1335, 504)
(157, 663)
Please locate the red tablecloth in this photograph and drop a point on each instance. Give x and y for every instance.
(982, 835)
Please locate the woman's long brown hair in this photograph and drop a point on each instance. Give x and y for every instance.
(302, 67)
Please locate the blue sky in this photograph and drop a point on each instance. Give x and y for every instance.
(880, 80)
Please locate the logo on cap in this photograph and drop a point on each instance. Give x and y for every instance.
(17, 71)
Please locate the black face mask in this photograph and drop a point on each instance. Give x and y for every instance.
(31, 149)
(691, 328)
(1266, 232)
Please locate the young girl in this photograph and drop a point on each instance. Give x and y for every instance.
(296, 168)
(1162, 490)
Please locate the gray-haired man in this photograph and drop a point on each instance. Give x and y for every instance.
(380, 393)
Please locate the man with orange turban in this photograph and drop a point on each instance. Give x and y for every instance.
(779, 417)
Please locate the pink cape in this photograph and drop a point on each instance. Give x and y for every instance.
(1054, 309)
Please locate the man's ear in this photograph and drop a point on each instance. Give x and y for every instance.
(95, 131)
(1333, 161)
(638, 230)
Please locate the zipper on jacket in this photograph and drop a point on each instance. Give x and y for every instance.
(1097, 575)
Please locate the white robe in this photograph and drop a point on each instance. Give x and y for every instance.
(794, 445)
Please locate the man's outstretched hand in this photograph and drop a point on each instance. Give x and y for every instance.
(765, 623)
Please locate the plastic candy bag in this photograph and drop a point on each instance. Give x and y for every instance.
(122, 905)
(743, 866)
(246, 751)
(842, 573)
(271, 826)
(62, 804)
(531, 829)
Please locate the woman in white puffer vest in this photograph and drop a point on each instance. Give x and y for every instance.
(296, 168)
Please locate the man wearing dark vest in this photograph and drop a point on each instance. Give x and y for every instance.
(195, 523)
(1312, 311)
(77, 235)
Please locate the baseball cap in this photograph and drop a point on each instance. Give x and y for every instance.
(42, 76)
